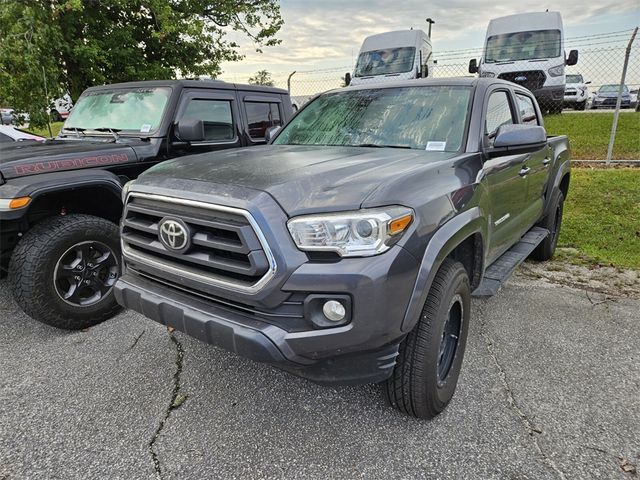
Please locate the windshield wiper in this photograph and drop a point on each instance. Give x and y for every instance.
(375, 145)
(112, 131)
(76, 130)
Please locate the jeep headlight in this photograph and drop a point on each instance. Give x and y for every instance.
(360, 233)
(556, 71)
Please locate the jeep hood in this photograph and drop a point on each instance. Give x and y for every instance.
(20, 158)
(302, 179)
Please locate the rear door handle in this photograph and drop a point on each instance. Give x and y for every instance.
(524, 171)
(546, 161)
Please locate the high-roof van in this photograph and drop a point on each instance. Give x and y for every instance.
(528, 49)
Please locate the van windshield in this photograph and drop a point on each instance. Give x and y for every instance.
(128, 109)
(536, 45)
(423, 118)
(385, 61)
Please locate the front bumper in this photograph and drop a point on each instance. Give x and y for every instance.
(548, 95)
(362, 351)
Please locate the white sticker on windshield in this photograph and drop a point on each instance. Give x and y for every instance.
(146, 128)
(436, 146)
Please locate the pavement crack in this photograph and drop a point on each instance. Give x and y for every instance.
(176, 400)
(528, 425)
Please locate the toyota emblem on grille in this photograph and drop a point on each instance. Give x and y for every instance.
(174, 234)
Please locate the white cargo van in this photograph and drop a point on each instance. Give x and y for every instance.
(399, 55)
(528, 49)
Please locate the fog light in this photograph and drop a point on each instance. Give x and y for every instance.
(334, 311)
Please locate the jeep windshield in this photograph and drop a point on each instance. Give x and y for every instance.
(125, 110)
(535, 45)
(421, 118)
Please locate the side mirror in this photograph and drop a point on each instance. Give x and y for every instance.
(190, 130)
(573, 57)
(588, 83)
(271, 133)
(347, 79)
(473, 66)
(515, 139)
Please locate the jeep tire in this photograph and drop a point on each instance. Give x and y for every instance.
(63, 270)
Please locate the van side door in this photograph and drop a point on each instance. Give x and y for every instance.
(539, 162)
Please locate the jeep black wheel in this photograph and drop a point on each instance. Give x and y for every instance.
(428, 365)
(63, 271)
(552, 222)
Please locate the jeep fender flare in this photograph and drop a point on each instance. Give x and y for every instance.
(441, 244)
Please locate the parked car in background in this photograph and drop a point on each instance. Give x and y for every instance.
(10, 134)
(633, 94)
(60, 200)
(528, 49)
(10, 117)
(61, 108)
(607, 96)
(576, 92)
(347, 250)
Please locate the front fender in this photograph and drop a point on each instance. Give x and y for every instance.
(442, 243)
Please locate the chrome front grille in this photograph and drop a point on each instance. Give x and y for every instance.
(226, 247)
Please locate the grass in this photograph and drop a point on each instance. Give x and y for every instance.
(44, 132)
(602, 218)
(589, 134)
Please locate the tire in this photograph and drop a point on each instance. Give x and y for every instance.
(581, 106)
(56, 117)
(421, 385)
(552, 222)
(56, 254)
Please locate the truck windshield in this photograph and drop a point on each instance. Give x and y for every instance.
(128, 109)
(386, 61)
(574, 79)
(422, 118)
(510, 47)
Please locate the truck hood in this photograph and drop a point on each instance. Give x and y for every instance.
(611, 94)
(302, 179)
(31, 158)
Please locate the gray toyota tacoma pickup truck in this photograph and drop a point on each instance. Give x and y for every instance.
(347, 250)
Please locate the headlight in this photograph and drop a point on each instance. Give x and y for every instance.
(360, 233)
(556, 71)
(487, 74)
(125, 190)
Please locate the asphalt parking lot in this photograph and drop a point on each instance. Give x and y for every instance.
(550, 389)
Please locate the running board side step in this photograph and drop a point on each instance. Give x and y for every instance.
(500, 270)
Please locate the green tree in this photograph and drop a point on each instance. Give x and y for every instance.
(79, 43)
(262, 77)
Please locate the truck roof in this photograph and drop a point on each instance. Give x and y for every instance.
(445, 81)
(183, 83)
(524, 22)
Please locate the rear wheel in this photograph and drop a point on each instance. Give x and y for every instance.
(63, 271)
(581, 105)
(553, 223)
(428, 365)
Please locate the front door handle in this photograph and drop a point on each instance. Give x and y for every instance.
(524, 171)
(546, 161)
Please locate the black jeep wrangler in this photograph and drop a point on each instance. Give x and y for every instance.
(60, 201)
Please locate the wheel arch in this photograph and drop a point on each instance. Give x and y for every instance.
(463, 238)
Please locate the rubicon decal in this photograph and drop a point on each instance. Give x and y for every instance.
(69, 164)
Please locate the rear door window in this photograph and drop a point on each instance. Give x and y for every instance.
(261, 116)
(527, 110)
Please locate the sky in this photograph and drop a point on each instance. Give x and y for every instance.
(327, 34)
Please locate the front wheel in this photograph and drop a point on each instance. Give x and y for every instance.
(430, 357)
(63, 271)
(581, 105)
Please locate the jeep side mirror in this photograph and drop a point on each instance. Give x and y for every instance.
(347, 79)
(573, 57)
(473, 66)
(271, 133)
(518, 138)
(190, 130)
